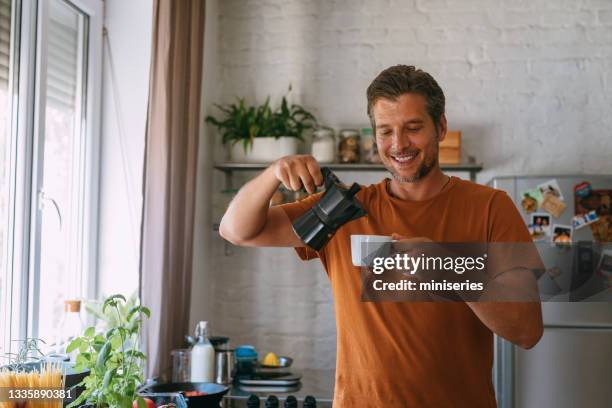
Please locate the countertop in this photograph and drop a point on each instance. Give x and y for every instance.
(318, 383)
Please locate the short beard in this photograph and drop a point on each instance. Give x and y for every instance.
(422, 171)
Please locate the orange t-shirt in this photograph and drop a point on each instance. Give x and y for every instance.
(417, 354)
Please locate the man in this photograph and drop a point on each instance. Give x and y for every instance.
(397, 354)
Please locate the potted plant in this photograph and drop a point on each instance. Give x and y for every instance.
(113, 358)
(259, 134)
(288, 125)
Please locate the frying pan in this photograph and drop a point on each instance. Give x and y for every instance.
(214, 392)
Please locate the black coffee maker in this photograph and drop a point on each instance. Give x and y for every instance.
(336, 207)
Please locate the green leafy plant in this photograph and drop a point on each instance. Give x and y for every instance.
(29, 351)
(291, 120)
(113, 358)
(107, 318)
(240, 123)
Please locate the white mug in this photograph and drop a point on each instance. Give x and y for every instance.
(364, 246)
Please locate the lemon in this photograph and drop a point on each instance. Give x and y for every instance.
(271, 359)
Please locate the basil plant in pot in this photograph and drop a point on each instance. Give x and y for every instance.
(260, 134)
(113, 358)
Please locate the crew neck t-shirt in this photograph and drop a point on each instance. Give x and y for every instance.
(417, 354)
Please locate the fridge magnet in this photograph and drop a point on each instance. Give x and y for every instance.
(553, 205)
(532, 199)
(602, 229)
(582, 189)
(536, 231)
(541, 220)
(582, 220)
(551, 187)
(599, 201)
(562, 234)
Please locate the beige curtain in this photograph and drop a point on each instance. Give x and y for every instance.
(169, 177)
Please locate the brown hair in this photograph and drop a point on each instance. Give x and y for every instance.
(401, 79)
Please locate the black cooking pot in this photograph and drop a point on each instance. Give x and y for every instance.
(218, 341)
(212, 399)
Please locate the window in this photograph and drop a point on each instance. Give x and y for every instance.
(60, 189)
(5, 168)
(52, 147)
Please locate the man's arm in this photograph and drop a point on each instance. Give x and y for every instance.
(517, 322)
(249, 219)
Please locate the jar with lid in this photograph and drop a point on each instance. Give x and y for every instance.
(348, 147)
(324, 145)
(369, 150)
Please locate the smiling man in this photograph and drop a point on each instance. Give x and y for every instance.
(397, 354)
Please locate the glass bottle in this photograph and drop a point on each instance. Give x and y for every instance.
(70, 326)
(202, 356)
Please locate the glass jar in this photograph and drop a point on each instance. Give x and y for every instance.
(181, 368)
(324, 145)
(348, 147)
(369, 150)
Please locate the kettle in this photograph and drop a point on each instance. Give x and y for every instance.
(336, 207)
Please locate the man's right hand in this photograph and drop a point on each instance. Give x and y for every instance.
(249, 219)
(297, 171)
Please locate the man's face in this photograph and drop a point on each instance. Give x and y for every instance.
(406, 136)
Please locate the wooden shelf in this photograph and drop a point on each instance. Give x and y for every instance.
(230, 167)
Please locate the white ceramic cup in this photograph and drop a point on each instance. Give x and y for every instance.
(363, 246)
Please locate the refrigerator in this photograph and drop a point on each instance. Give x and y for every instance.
(571, 366)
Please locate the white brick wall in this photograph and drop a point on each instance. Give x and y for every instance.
(528, 82)
(268, 298)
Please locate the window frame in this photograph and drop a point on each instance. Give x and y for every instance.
(17, 215)
(26, 164)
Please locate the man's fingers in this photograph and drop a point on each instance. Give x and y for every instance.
(283, 177)
(297, 171)
(294, 180)
(308, 184)
(315, 171)
(306, 178)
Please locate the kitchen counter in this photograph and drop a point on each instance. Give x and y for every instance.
(318, 383)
